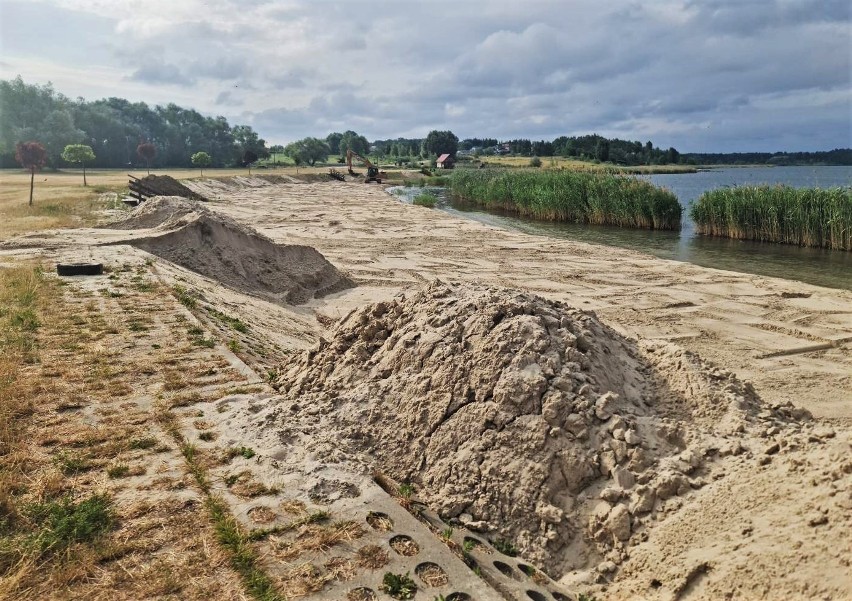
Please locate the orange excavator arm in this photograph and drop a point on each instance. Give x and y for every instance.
(350, 154)
(373, 173)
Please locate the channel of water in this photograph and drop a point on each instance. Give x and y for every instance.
(817, 266)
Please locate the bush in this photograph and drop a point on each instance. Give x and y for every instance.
(574, 196)
(535, 162)
(425, 200)
(805, 217)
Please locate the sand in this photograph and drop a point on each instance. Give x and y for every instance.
(232, 254)
(736, 493)
(532, 421)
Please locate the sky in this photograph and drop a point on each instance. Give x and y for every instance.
(699, 75)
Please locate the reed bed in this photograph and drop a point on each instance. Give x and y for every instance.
(802, 216)
(579, 197)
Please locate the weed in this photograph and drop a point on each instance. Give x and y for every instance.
(118, 471)
(71, 465)
(143, 443)
(207, 436)
(425, 200)
(184, 297)
(243, 557)
(235, 323)
(468, 545)
(505, 547)
(398, 586)
(239, 452)
(63, 522)
(234, 345)
(447, 533)
(406, 490)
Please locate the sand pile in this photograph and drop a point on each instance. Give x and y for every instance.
(525, 419)
(213, 187)
(239, 257)
(164, 185)
(165, 212)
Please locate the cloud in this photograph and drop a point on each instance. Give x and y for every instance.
(694, 74)
(161, 73)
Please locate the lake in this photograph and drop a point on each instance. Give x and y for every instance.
(817, 266)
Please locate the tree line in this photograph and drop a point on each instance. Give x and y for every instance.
(115, 129)
(115, 132)
(838, 156)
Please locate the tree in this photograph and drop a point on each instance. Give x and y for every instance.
(441, 142)
(201, 160)
(354, 142)
(602, 150)
(248, 158)
(246, 140)
(79, 153)
(147, 152)
(309, 150)
(333, 141)
(32, 156)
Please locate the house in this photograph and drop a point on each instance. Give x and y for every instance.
(445, 161)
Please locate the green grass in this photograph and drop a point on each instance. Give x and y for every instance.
(574, 196)
(801, 216)
(425, 200)
(63, 522)
(398, 586)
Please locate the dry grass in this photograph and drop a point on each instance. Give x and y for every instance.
(372, 557)
(578, 165)
(61, 201)
(69, 527)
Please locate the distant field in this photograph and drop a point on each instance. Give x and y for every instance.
(61, 201)
(574, 164)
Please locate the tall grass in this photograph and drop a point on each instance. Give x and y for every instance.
(802, 216)
(580, 197)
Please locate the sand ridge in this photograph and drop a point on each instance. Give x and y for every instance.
(189, 234)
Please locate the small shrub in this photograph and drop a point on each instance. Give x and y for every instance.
(425, 200)
(245, 452)
(535, 162)
(398, 586)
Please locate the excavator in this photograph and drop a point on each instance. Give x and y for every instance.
(373, 173)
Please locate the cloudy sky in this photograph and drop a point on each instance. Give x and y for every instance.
(700, 75)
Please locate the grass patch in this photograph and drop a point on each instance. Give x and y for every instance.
(801, 216)
(573, 196)
(505, 547)
(243, 556)
(244, 452)
(229, 533)
(233, 322)
(398, 586)
(149, 442)
(118, 471)
(184, 297)
(63, 522)
(425, 200)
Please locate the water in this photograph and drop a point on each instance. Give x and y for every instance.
(817, 266)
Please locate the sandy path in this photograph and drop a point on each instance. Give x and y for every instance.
(762, 328)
